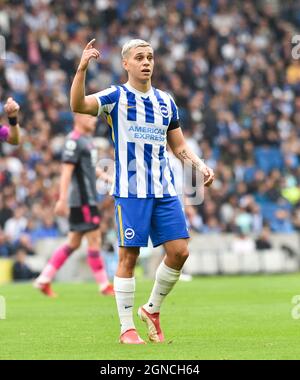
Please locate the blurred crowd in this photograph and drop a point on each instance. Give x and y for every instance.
(228, 65)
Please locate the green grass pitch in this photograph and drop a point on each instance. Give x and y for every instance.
(209, 318)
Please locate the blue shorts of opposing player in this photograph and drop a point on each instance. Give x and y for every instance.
(160, 218)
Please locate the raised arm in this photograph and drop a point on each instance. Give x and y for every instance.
(12, 109)
(79, 101)
(184, 153)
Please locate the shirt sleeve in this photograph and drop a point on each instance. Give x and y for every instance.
(71, 151)
(173, 125)
(4, 132)
(107, 99)
(174, 122)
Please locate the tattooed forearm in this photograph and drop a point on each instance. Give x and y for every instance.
(185, 156)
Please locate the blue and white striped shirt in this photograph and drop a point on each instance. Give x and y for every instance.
(139, 123)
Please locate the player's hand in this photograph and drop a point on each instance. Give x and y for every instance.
(61, 208)
(209, 175)
(11, 107)
(89, 52)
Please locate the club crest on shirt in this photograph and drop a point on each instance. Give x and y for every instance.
(71, 145)
(164, 110)
(129, 233)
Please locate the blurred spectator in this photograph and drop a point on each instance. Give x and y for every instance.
(211, 226)
(244, 220)
(282, 222)
(21, 271)
(47, 228)
(5, 246)
(264, 241)
(194, 220)
(25, 243)
(296, 219)
(242, 244)
(6, 211)
(16, 225)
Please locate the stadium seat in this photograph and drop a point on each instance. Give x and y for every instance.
(250, 263)
(201, 263)
(268, 158)
(272, 261)
(229, 263)
(268, 210)
(291, 264)
(249, 174)
(191, 264)
(208, 263)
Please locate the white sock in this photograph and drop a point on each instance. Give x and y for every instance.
(165, 279)
(124, 294)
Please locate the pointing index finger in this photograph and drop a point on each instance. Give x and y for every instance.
(90, 44)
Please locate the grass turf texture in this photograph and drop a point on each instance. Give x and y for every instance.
(209, 318)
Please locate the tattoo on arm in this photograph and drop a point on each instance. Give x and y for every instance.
(184, 156)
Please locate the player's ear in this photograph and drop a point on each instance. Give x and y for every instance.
(125, 64)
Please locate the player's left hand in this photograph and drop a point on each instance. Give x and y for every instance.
(61, 208)
(209, 176)
(11, 107)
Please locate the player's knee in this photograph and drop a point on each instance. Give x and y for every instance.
(181, 255)
(184, 254)
(128, 261)
(74, 244)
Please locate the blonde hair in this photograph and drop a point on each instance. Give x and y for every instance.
(133, 44)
